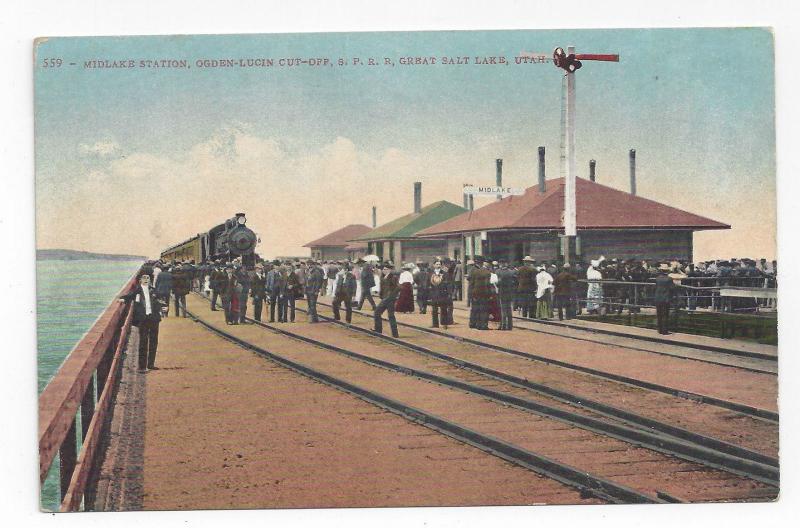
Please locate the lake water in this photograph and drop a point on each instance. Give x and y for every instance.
(71, 295)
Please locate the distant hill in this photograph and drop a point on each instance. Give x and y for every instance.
(70, 254)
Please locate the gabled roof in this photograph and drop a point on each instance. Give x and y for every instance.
(598, 207)
(355, 246)
(406, 226)
(340, 237)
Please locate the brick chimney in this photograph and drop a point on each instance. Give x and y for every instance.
(499, 164)
(542, 184)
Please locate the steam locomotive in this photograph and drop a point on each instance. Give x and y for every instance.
(225, 242)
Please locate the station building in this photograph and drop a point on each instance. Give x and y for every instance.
(397, 241)
(609, 222)
(336, 245)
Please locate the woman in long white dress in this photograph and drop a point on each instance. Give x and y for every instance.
(544, 286)
(594, 293)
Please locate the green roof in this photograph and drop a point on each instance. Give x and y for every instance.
(408, 225)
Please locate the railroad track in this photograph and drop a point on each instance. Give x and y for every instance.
(678, 413)
(698, 346)
(748, 471)
(748, 410)
(586, 483)
(665, 432)
(761, 363)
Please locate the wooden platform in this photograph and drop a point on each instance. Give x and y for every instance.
(218, 427)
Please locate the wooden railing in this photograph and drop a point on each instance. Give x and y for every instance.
(97, 356)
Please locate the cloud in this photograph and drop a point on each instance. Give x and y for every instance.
(143, 202)
(103, 148)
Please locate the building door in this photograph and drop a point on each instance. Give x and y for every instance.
(519, 250)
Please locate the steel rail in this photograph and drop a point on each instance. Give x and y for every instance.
(573, 477)
(651, 339)
(691, 451)
(574, 399)
(749, 355)
(701, 398)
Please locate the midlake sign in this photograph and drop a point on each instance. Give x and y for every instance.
(480, 190)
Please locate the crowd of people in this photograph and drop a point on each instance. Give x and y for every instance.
(495, 290)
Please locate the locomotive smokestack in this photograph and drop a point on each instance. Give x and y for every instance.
(417, 197)
(591, 169)
(499, 164)
(542, 184)
(632, 157)
(374, 217)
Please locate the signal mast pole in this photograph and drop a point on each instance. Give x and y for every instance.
(570, 62)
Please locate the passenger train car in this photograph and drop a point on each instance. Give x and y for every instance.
(225, 242)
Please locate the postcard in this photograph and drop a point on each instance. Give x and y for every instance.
(397, 269)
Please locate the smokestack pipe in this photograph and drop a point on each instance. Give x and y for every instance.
(499, 163)
(466, 201)
(542, 184)
(592, 164)
(417, 197)
(374, 217)
(632, 157)
(471, 202)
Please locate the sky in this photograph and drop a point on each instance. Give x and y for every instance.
(134, 160)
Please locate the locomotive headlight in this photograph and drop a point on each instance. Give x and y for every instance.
(242, 220)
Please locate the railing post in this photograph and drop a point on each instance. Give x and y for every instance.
(87, 407)
(68, 455)
(104, 367)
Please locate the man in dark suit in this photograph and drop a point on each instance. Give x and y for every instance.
(181, 284)
(227, 290)
(314, 281)
(274, 289)
(526, 287)
(163, 287)
(506, 290)
(243, 280)
(258, 291)
(423, 281)
(345, 290)
(440, 299)
(665, 291)
(390, 290)
(289, 291)
(479, 285)
(216, 279)
(146, 316)
(448, 267)
(563, 286)
(367, 283)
